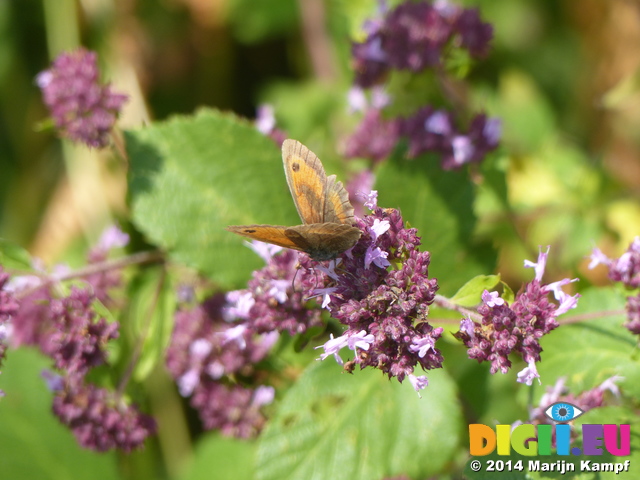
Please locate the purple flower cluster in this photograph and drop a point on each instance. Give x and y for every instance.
(8, 308)
(413, 36)
(633, 314)
(385, 310)
(67, 329)
(99, 418)
(232, 409)
(206, 353)
(518, 327)
(358, 101)
(273, 302)
(427, 130)
(626, 270)
(375, 137)
(83, 109)
(430, 130)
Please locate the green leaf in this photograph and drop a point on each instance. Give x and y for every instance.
(256, 20)
(440, 205)
(149, 317)
(307, 110)
(470, 294)
(507, 293)
(589, 352)
(13, 256)
(458, 62)
(34, 444)
(492, 201)
(229, 458)
(527, 117)
(190, 177)
(361, 426)
(356, 13)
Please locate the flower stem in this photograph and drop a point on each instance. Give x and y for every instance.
(581, 317)
(444, 302)
(135, 259)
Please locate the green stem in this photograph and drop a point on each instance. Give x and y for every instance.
(61, 23)
(82, 165)
(444, 302)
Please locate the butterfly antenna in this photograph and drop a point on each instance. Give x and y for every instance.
(344, 271)
(293, 281)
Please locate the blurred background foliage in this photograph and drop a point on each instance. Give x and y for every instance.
(562, 75)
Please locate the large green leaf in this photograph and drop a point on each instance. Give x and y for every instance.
(229, 458)
(253, 21)
(589, 352)
(440, 205)
(360, 426)
(192, 176)
(13, 256)
(33, 443)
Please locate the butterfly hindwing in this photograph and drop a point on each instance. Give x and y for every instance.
(337, 208)
(324, 240)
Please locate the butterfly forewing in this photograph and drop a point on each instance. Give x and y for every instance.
(306, 179)
(274, 234)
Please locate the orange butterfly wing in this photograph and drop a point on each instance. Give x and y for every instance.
(274, 234)
(337, 207)
(318, 198)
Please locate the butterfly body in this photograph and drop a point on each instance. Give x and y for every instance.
(322, 203)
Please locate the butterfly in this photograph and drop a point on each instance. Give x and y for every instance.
(322, 203)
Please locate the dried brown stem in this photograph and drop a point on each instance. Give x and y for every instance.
(316, 39)
(135, 259)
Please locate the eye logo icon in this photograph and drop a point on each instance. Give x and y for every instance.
(563, 412)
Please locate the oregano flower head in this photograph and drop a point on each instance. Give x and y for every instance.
(517, 327)
(83, 109)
